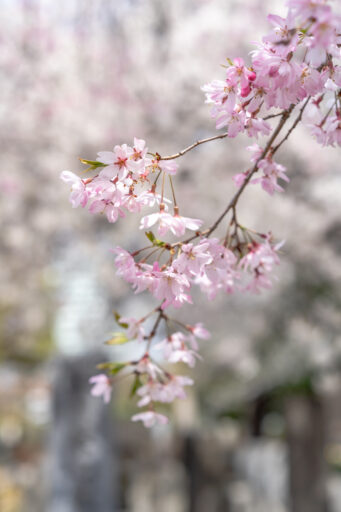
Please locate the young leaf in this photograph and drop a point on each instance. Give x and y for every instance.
(136, 384)
(154, 241)
(117, 318)
(93, 163)
(150, 236)
(113, 368)
(119, 338)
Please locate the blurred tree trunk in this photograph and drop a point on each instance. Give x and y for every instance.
(192, 465)
(205, 487)
(305, 436)
(258, 411)
(81, 463)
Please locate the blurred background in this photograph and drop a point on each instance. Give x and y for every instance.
(261, 430)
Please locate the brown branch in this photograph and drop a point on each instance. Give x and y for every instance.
(154, 329)
(297, 120)
(271, 116)
(235, 198)
(192, 146)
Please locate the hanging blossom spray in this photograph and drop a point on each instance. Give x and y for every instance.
(294, 75)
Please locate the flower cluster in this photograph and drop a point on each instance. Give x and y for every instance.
(296, 69)
(122, 185)
(271, 171)
(152, 383)
(207, 263)
(297, 60)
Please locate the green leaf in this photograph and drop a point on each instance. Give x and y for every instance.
(117, 318)
(153, 240)
(150, 236)
(136, 385)
(119, 338)
(159, 243)
(113, 368)
(93, 163)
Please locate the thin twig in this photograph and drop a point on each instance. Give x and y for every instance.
(235, 198)
(172, 187)
(271, 116)
(192, 146)
(154, 329)
(157, 177)
(146, 258)
(297, 120)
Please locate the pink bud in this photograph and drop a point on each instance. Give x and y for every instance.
(252, 76)
(245, 91)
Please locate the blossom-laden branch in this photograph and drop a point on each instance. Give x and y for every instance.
(296, 68)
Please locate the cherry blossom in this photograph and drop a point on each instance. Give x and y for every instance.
(79, 195)
(199, 331)
(150, 418)
(155, 391)
(271, 173)
(135, 329)
(101, 386)
(145, 365)
(167, 222)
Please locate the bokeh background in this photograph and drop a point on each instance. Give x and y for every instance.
(261, 430)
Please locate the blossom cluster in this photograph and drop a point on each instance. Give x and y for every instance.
(272, 171)
(208, 264)
(296, 69)
(298, 60)
(123, 183)
(152, 383)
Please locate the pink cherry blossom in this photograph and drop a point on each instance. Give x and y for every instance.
(271, 173)
(168, 166)
(240, 178)
(283, 28)
(184, 355)
(156, 391)
(170, 287)
(135, 329)
(199, 331)
(167, 222)
(146, 366)
(139, 149)
(79, 195)
(239, 73)
(221, 273)
(150, 199)
(150, 418)
(234, 121)
(175, 341)
(175, 349)
(192, 258)
(255, 127)
(119, 159)
(216, 92)
(101, 386)
(260, 260)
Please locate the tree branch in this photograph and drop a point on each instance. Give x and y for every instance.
(192, 146)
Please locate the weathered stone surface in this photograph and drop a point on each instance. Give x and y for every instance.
(81, 474)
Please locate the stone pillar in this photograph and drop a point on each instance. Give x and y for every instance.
(305, 436)
(81, 463)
